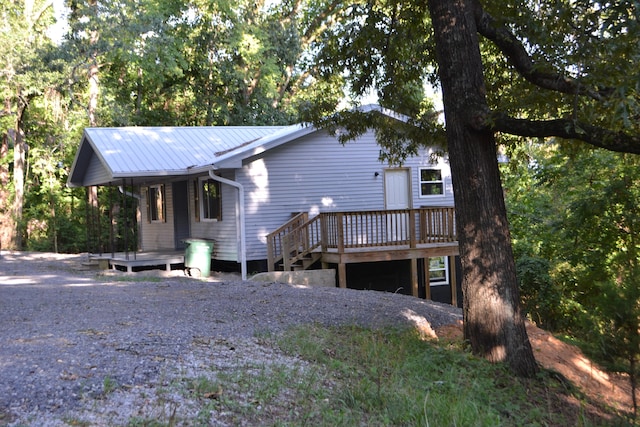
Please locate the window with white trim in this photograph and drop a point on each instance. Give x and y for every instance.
(210, 200)
(439, 271)
(156, 203)
(431, 183)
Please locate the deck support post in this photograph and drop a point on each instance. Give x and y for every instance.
(454, 281)
(414, 277)
(427, 278)
(342, 275)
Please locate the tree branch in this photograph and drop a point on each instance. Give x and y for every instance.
(518, 56)
(568, 129)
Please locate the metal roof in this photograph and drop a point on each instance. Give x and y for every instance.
(107, 155)
(129, 152)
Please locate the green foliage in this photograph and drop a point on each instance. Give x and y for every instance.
(578, 258)
(539, 295)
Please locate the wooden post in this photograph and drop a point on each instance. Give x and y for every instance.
(454, 282)
(452, 231)
(286, 252)
(324, 232)
(427, 278)
(270, 253)
(342, 275)
(340, 227)
(414, 277)
(412, 230)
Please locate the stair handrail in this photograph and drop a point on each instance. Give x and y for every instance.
(301, 241)
(275, 251)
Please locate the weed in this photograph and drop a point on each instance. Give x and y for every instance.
(109, 385)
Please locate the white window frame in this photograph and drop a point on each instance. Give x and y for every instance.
(156, 198)
(439, 182)
(201, 195)
(441, 281)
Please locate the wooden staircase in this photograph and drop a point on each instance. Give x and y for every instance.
(296, 245)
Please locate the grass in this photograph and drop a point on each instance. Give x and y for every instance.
(350, 376)
(109, 385)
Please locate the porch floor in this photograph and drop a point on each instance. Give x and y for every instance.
(162, 259)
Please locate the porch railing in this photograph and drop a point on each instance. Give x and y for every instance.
(339, 231)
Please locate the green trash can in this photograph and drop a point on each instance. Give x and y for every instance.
(197, 257)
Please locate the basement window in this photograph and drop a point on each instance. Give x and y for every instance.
(439, 271)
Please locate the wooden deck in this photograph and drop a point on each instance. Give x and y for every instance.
(159, 259)
(342, 238)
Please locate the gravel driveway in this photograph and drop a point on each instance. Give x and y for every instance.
(66, 334)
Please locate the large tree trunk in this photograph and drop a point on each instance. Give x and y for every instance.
(6, 224)
(19, 170)
(492, 319)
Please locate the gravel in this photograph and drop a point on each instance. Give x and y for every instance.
(68, 335)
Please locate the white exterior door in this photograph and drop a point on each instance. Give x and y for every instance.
(397, 195)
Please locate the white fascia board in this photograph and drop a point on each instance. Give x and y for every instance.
(87, 142)
(235, 160)
(384, 111)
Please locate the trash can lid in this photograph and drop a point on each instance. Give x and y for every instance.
(197, 239)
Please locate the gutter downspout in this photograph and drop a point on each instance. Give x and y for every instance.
(240, 221)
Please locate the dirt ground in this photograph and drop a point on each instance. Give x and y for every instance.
(613, 390)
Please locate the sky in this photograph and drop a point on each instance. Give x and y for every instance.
(57, 31)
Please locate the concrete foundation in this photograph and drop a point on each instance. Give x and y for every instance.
(322, 278)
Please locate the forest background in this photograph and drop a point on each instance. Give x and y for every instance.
(573, 209)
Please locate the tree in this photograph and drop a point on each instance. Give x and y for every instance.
(24, 77)
(492, 319)
(198, 63)
(540, 69)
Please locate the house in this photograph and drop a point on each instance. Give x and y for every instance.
(237, 185)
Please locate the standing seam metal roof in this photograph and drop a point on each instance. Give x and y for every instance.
(129, 150)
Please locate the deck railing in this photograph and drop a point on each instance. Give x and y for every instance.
(339, 231)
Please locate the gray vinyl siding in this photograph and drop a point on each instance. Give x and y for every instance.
(224, 232)
(317, 174)
(96, 172)
(157, 235)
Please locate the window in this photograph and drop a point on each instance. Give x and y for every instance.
(439, 271)
(156, 204)
(431, 183)
(210, 197)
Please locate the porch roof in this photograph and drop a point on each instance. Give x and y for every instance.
(108, 155)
